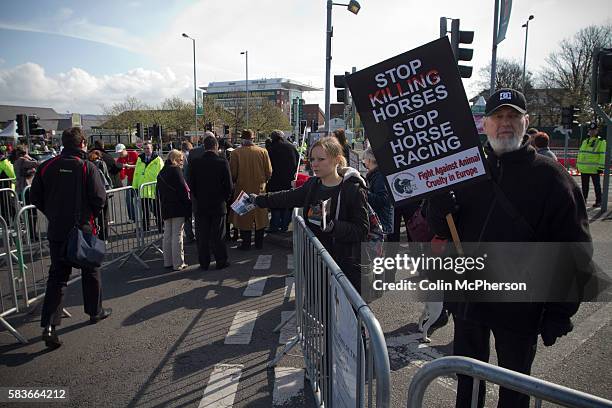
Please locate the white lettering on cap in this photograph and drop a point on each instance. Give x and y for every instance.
(505, 96)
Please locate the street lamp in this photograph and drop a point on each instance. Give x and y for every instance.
(354, 7)
(526, 26)
(246, 54)
(195, 92)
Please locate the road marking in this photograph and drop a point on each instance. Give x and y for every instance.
(289, 261)
(222, 386)
(288, 384)
(263, 262)
(549, 357)
(241, 330)
(256, 286)
(288, 330)
(290, 287)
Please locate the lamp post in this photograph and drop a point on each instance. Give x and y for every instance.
(354, 7)
(195, 92)
(246, 55)
(526, 26)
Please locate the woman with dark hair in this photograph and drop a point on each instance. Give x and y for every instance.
(540, 141)
(95, 156)
(25, 168)
(340, 193)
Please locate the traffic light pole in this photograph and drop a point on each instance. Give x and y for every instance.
(328, 58)
(494, 51)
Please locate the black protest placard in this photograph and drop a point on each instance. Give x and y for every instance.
(419, 123)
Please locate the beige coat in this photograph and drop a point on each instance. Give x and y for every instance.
(251, 169)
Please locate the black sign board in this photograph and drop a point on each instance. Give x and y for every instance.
(419, 123)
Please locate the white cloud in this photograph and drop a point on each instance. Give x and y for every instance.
(79, 91)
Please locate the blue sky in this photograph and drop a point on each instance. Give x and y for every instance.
(79, 56)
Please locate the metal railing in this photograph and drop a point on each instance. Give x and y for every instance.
(480, 371)
(9, 302)
(314, 271)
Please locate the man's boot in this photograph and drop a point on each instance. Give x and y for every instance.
(259, 236)
(51, 338)
(246, 240)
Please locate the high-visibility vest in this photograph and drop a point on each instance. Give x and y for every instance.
(592, 155)
(145, 173)
(6, 167)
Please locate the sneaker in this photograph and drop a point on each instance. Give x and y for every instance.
(180, 268)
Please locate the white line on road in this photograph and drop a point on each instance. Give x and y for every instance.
(288, 330)
(222, 386)
(290, 287)
(288, 384)
(263, 262)
(289, 261)
(241, 330)
(255, 287)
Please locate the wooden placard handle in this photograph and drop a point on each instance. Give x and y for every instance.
(454, 234)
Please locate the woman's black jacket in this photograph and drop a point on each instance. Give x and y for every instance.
(173, 192)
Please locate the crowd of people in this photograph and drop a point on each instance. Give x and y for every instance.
(529, 198)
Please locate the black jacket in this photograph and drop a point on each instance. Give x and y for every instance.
(54, 190)
(211, 183)
(173, 192)
(113, 167)
(546, 197)
(351, 228)
(284, 158)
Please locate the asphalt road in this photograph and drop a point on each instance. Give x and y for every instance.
(195, 338)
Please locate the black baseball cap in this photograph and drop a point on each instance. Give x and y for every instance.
(506, 97)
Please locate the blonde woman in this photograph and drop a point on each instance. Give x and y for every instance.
(341, 193)
(175, 206)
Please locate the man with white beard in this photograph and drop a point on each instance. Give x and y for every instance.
(529, 198)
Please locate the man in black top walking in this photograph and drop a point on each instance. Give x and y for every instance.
(211, 185)
(53, 192)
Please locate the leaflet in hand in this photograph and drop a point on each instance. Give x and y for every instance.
(318, 213)
(243, 204)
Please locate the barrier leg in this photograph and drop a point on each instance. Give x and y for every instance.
(283, 323)
(13, 331)
(66, 313)
(294, 341)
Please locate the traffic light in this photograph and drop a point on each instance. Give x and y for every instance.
(303, 124)
(148, 132)
(603, 73)
(208, 126)
(314, 126)
(34, 127)
(569, 116)
(157, 132)
(461, 54)
(22, 124)
(342, 94)
(225, 130)
(139, 133)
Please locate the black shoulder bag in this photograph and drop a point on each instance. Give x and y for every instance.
(83, 249)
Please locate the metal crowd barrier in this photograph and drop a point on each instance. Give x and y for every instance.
(131, 224)
(118, 226)
(9, 301)
(313, 269)
(151, 225)
(534, 387)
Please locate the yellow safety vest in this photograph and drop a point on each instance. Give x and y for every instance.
(592, 155)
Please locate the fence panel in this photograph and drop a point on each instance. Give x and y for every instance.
(150, 220)
(481, 371)
(314, 269)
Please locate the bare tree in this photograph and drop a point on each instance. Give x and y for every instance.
(569, 67)
(509, 75)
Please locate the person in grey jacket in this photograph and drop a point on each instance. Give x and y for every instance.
(378, 195)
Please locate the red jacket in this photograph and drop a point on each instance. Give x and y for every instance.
(131, 158)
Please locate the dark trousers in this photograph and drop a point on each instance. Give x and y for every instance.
(210, 233)
(280, 219)
(585, 178)
(189, 229)
(150, 205)
(514, 352)
(59, 274)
